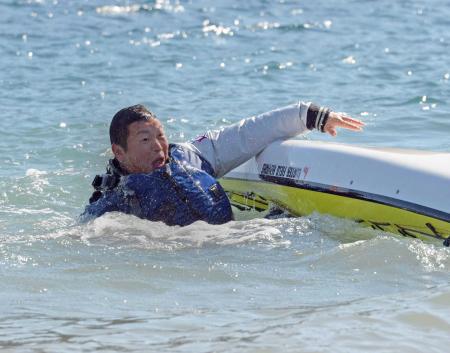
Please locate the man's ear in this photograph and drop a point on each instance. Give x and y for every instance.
(119, 152)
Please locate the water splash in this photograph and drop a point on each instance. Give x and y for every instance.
(119, 230)
(431, 257)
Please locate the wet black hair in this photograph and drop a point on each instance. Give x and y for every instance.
(118, 130)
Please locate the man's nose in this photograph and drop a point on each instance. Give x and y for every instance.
(157, 146)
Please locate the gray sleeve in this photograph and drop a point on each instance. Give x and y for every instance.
(229, 147)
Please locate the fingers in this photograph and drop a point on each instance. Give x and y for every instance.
(341, 120)
(349, 124)
(353, 121)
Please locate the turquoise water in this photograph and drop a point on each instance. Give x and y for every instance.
(315, 284)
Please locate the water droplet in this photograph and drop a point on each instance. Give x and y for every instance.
(296, 12)
(349, 60)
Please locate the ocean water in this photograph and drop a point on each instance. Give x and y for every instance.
(121, 284)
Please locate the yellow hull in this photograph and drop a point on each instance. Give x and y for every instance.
(302, 202)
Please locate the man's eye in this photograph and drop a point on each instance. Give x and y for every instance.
(145, 139)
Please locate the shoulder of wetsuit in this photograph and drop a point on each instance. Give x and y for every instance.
(192, 158)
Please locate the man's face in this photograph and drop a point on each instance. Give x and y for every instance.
(147, 149)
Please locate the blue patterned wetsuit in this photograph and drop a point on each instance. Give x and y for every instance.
(180, 193)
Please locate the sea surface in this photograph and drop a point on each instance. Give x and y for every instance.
(121, 284)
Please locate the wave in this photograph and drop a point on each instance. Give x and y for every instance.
(120, 230)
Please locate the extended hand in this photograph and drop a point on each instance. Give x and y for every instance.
(341, 120)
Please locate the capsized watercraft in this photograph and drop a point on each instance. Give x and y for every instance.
(406, 192)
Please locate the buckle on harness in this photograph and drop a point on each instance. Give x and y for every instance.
(97, 182)
(105, 182)
(215, 192)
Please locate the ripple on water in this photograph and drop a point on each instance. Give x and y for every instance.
(120, 283)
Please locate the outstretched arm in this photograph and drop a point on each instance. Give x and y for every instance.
(233, 145)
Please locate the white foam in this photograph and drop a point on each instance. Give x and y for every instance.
(35, 172)
(431, 257)
(116, 10)
(116, 229)
(38, 180)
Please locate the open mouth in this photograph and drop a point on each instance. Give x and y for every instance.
(158, 163)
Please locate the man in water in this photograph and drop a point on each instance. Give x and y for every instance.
(177, 183)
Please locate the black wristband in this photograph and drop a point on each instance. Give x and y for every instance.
(324, 120)
(317, 117)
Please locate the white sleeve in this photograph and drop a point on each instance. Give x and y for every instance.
(229, 147)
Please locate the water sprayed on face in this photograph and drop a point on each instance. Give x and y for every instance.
(147, 147)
